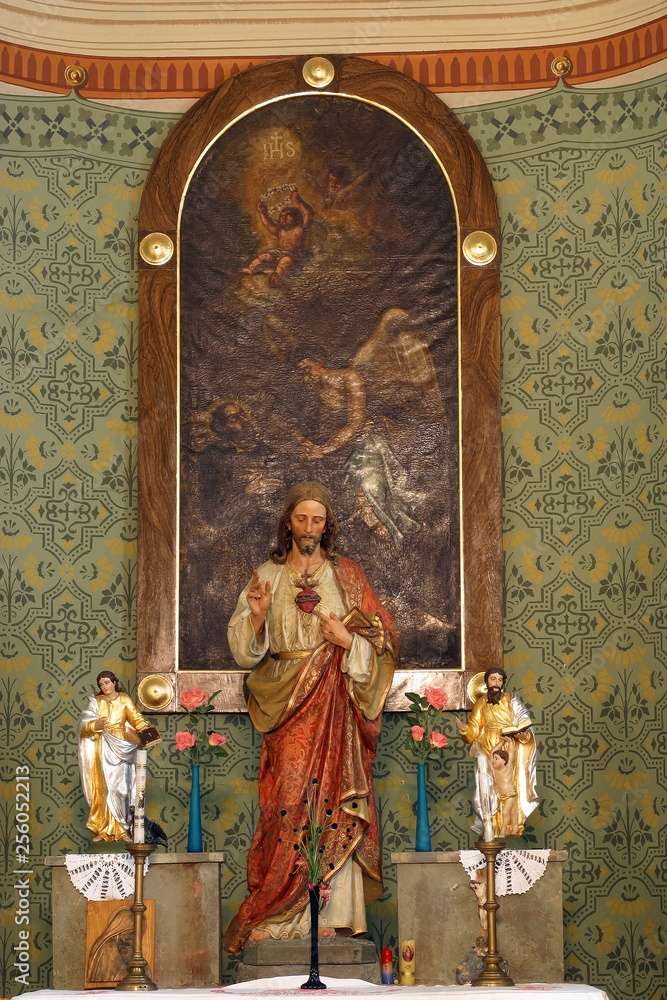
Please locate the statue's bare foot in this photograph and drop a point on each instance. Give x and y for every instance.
(326, 931)
(246, 270)
(98, 838)
(259, 935)
(127, 838)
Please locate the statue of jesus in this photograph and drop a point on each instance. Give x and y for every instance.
(320, 648)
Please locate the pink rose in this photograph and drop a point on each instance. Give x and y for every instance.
(436, 697)
(216, 740)
(325, 891)
(437, 740)
(184, 740)
(193, 698)
(417, 734)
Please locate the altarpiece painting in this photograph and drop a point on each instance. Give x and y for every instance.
(321, 322)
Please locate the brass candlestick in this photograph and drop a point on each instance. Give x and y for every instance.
(138, 978)
(492, 973)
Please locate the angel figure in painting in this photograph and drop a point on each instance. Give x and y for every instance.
(341, 193)
(394, 368)
(107, 757)
(499, 731)
(372, 465)
(290, 229)
(335, 187)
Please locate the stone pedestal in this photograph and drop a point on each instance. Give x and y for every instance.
(438, 910)
(340, 958)
(186, 890)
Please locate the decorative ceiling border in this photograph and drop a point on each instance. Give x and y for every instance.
(451, 71)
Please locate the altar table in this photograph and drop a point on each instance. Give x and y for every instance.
(289, 986)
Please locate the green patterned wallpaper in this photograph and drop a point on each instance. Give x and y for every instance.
(581, 180)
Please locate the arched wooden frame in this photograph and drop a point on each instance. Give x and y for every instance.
(158, 677)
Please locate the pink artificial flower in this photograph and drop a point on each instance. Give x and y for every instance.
(436, 697)
(216, 740)
(184, 740)
(325, 891)
(437, 740)
(193, 698)
(417, 734)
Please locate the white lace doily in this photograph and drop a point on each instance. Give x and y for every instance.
(516, 871)
(102, 876)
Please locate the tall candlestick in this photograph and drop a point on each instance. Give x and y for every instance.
(138, 977)
(485, 781)
(492, 974)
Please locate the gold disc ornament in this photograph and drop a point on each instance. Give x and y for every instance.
(156, 249)
(318, 72)
(76, 76)
(479, 248)
(155, 692)
(561, 66)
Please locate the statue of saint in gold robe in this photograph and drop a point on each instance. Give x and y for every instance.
(106, 758)
(502, 742)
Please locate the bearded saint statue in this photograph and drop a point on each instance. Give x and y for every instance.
(320, 648)
(499, 731)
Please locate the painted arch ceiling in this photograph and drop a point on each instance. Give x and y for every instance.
(170, 27)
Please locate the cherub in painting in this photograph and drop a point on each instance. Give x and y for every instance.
(338, 183)
(340, 189)
(291, 229)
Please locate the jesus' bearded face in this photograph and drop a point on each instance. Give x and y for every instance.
(307, 524)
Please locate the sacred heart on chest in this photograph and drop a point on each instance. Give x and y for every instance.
(307, 599)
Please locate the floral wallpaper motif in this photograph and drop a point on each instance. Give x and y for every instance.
(580, 177)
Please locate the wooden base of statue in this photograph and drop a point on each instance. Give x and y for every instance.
(492, 974)
(138, 978)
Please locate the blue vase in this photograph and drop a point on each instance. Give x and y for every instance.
(194, 825)
(423, 838)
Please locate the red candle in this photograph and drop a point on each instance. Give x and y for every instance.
(387, 966)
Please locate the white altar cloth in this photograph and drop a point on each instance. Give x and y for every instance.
(289, 986)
